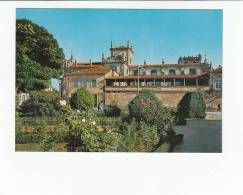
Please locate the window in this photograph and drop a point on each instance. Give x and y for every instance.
(172, 72)
(93, 83)
(75, 82)
(84, 82)
(218, 84)
(192, 71)
(135, 72)
(153, 72)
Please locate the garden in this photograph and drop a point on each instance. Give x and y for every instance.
(45, 123)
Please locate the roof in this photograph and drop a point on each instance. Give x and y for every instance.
(217, 70)
(161, 65)
(84, 65)
(95, 70)
(158, 77)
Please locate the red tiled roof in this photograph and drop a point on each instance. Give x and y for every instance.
(84, 64)
(95, 70)
(161, 65)
(217, 70)
(158, 77)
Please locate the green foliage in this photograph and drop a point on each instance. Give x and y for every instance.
(192, 105)
(109, 121)
(47, 142)
(82, 134)
(24, 138)
(164, 147)
(112, 110)
(41, 103)
(144, 106)
(82, 100)
(139, 137)
(38, 56)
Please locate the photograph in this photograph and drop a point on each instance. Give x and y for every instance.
(118, 80)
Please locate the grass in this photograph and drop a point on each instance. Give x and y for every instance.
(36, 148)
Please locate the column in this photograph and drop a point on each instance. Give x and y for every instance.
(154, 82)
(196, 82)
(174, 82)
(184, 82)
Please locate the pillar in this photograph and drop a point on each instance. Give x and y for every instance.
(184, 82)
(174, 82)
(196, 82)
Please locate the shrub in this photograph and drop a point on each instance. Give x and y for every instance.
(139, 137)
(82, 135)
(41, 103)
(24, 138)
(144, 106)
(192, 105)
(112, 110)
(82, 100)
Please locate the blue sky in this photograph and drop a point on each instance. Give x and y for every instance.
(154, 34)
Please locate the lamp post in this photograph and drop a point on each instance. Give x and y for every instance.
(139, 75)
(138, 78)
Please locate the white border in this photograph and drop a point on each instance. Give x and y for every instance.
(127, 173)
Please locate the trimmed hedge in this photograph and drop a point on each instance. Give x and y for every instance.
(192, 105)
(25, 138)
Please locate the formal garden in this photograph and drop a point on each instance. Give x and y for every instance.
(46, 123)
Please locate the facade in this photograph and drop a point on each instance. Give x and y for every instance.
(115, 78)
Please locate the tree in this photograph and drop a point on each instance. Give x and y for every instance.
(38, 57)
(82, 100)
(41, 103)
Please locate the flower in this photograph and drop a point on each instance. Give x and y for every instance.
(78, 111)
(93, 122)
(83, 120)
(63, 102)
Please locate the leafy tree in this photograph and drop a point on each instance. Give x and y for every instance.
(38, 56)
(192, 105)
(41, 103)
(82, 100)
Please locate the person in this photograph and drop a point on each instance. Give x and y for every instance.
(101, 106)
(219, 107)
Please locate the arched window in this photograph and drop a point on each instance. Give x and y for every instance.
(153, 72)
(172, 72)
(192, 71)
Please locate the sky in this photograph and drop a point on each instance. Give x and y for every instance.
(154, 34)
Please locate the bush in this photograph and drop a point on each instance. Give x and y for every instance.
(82, 100)
(139, 137)
(144, 106)
(24, 138)
(112, 110)
(82, 134)
(111, 121)
(41, 103)
(192, 105)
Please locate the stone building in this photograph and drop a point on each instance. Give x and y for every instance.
(115, 78)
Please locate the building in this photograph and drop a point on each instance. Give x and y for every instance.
(115, 78)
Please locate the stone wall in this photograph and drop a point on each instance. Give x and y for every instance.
(168, 96)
